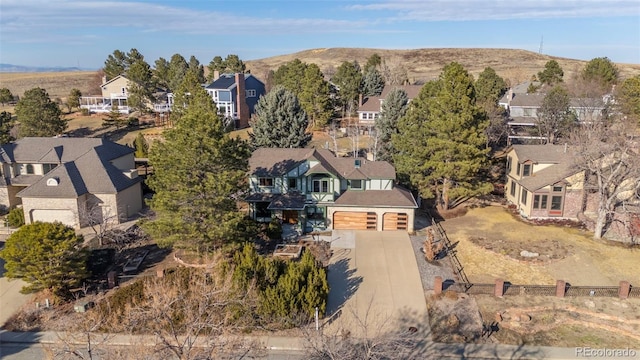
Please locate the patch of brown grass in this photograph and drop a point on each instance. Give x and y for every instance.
(57, 84)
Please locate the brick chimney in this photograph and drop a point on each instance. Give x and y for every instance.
(243, 108)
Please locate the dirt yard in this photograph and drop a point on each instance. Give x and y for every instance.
(490, 241)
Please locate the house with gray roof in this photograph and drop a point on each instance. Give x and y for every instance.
(370, 107)
(236, 96)
(523, 110)
(77, 181)
(318, 191)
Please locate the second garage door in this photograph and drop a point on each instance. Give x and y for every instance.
(66, 217)
(350, 220)
(394, 221)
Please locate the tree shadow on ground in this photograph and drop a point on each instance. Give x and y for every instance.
(342, 283)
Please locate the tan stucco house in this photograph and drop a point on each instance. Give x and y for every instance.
(319, 191)
(72, 180)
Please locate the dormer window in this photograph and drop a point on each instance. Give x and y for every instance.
(265, 182)
(526, 170)
(355, 184)
(356, 163)
(30, 169)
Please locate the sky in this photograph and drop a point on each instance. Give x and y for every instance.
(82, 33)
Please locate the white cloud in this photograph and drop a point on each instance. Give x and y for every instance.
(34, 19)
(466, 10)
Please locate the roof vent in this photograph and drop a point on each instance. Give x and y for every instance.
(53, 182)
(356, 163)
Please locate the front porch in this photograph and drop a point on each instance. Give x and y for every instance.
(291, 209)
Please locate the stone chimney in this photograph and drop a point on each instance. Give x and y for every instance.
(242, 107)
(216, 75)
(104, 79)
(360, 100)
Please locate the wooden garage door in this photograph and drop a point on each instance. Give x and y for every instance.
(348, 220)
(394, 221)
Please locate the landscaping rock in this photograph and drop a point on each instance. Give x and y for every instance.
(528, 254)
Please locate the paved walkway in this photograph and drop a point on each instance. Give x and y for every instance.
(10, 297)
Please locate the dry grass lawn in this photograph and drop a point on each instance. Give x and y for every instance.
(57, 84)
(589, 262)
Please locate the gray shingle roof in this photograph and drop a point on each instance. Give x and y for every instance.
(560, 156)
(84, 166)
(411, 90)
(370, 104)
(527, 100)
(59, 150)
(277, 162)
(225, 81)
(397, 197)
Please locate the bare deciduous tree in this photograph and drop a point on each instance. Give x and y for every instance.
(609, 154)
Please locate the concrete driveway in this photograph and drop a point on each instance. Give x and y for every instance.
(376, 282)
(10, 297)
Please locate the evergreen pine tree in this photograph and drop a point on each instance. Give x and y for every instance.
(552, 73)
(199, 172)
(6, 124)
(38, 115)
(280, 121)
(47, 256)
(316, 97)
(441, 141)
(141, 146)
(393, 108)
(372, 82)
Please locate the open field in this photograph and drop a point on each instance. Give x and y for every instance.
(57, 84)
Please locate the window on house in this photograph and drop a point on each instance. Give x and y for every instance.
(518, 169)
(355, 184)
(557, 189)
(293, 183)
(30, 169)
(526, 170)
(556, 203)
(124, 91)
(48, 167)
(513, 188)
(321, 186)
(523, 197)
(508, 164)
(315, 213)
(265, 182)
(540, 201)
(250, 93)
(529, 112)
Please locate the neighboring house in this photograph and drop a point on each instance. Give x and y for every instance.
(543, 183)
(370, 107)
(523, 111)
(236, 96)
(114, 91)
(319, 191)
(76, 181)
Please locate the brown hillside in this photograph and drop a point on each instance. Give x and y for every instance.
(421, 64)
(426, 64)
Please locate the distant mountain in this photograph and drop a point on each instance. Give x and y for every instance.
(19, 68)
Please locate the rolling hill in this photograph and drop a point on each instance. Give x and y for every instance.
(421, 65)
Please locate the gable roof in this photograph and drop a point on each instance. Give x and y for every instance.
(228, 81)
(278, 161)
(370, 104)
(84, 166)
(59, 150)
(560, 156)
(553, 154)
(527, 100)
(115, 79)
(411, 90)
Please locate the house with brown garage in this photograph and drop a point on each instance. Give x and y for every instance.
(76, 181)
(318, 191)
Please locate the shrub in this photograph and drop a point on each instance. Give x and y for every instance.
(15, 218)
(274, 230)
(85, 112)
